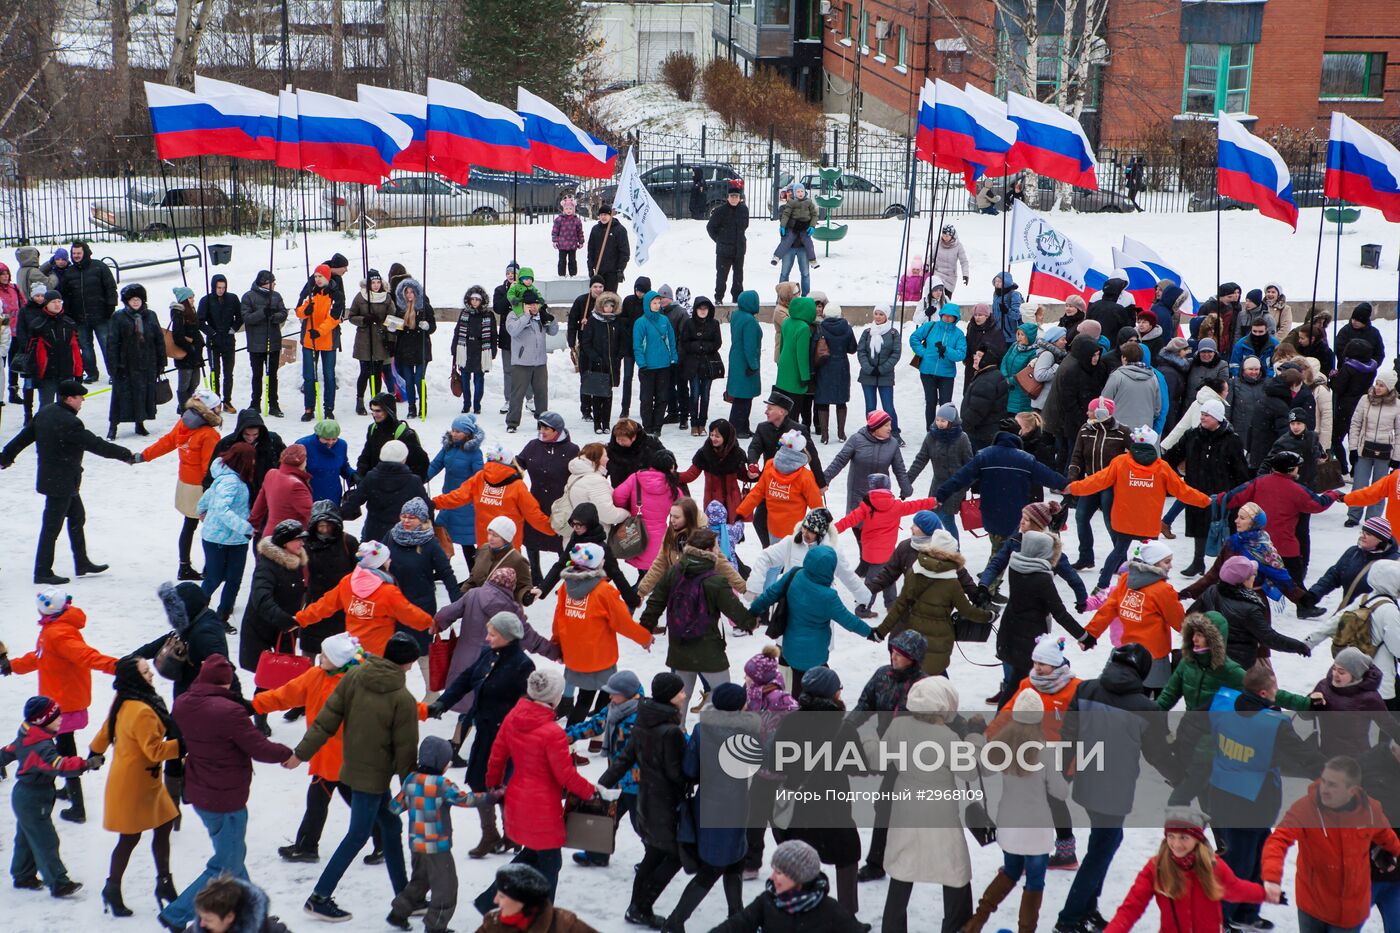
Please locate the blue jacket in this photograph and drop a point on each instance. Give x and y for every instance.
(745, 375)
(327, 466)
(1007, 308)
(1007, 473)
(1063, 568)
(461, 462)
(1243, 350)
(225, 507)
(597, 725)
(812, 605)
(1349, 567)
(653, 338)
(926, 338)
(704, 824)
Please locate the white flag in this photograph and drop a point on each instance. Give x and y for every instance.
(1034, 240)
(635, 202)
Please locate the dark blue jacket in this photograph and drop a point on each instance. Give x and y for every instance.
(1063, 568)
(1348, 567)
(1006, 474)
(832, 382)
(416, 570)
(498, 678)
(327, 467)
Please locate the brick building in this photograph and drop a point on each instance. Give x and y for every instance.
(1162, 62)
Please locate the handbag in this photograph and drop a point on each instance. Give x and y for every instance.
(778, 615)
(1329, 475)
(965, 629)
(712, 369)
(440, 660)
(978, 821)
(173, 657)
(628, 538)
(277, 667)
(455, 383)
(1030, 385)
(1376, 450)
(172, 349)
(1219, 528)
(164, 394)
(970, 515)
(590, 825)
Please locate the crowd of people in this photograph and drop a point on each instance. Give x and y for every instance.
(1249, 423)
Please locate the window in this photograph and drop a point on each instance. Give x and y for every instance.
(903, 50)
(864, 31)
(774, 13)
(1353, 74)
(1048, 67)
(847, 29)
(879, 47)
(1217, 78)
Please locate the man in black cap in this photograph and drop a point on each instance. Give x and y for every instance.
(726, 227)
(1359, 327)
(339, 265)
(764, 446)
(608, 249)
(61, 439)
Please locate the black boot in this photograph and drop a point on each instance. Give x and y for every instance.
(165, 890)
(112, 899)
(260, 720)
(1198, 558)
(187, 572)
(823, 414)
(75, 812)
(840, 422)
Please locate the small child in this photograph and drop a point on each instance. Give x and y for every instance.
(911, 284)
(426, 795)
(36, 842)
(786, 486)
(1186, 878)
(612, 727)
(728, 535)
(567, 236)
(947, 448)
(229, 905)
(878, 517)
(796, 219)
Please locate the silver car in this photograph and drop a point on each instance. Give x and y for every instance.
(150, 211)
(412, 197)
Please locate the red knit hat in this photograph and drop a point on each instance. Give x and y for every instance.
(1041, 514)
(323, 270)
(876, 419)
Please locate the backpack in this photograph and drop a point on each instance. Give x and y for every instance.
(821, 351)
(560, 511)
(688, 615)
(1354, 631)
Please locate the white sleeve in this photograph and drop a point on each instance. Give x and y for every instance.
(1191, 419)
(772, 556)
(852, 581)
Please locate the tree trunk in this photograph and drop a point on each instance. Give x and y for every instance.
(121, 64)
(189, 30)
(337, 45)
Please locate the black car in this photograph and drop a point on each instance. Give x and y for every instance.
(1307, 192)
(538, 192)
(670, 184)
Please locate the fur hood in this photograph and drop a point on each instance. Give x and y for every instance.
(578, 583)
(281, 556)
(614, 298)
(938, 564)
(182, 602)
(480, 293)
(1215, 629)
(410, 282)
(211, 417)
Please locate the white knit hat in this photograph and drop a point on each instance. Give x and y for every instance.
(1029, 708)
(1151, 552)
(52, 600)
(1144, 435)
(1213, 407)
(340, 649)
(545, 686)
(207, 397)
(502, 526)
(395, 451)
(1049, 650)
(372, 555)
(496, 453)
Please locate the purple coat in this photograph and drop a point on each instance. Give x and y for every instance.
(1347, 735)
(221, 741)
(474, 610)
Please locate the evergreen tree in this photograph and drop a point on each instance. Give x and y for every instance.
(540, 45)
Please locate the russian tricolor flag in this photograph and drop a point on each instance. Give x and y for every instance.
(254, 112)
(1050, 143)
(1142, 281)
(288, 131)
(923, 134)
(185, 124)
(1362, 168)
(1250, 170)
(465, 129)
(412, 109)
(1141, 253)
(968, 134)
(556, 144)
(344, 140)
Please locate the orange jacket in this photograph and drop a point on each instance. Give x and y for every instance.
(308, 689)
(65, 661)
(1333, 880)
(371, 606)
(1384, 488)
(1146, 613)
(586, 629)
(317, 313)
(497, 489)
(1056, 703)
(1138, 493)
(196, 450)
(787, 495)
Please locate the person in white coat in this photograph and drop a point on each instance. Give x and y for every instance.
(1212, 390)
(1384, 577)
(588, 482)
(926, 843)
(951, 254)
(789, 552)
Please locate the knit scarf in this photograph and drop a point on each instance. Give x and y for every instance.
(1052, 683)
(799, 900)
(1023, 564)
(616, 713)
(1259, 547)
(1185, 862)
(415, 538)
(520, 921)
(949, 434)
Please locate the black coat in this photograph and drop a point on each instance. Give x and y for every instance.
(600, 346)
(383, 490)
(500, 306)
(267, 451)
(831, 383)
(60, 439)
(763, 915)
(135, 361)
(1345, 335)
(1077, 382)
(1112, 316)
(1270, 419)
(474, 333)
(417, 570)
(629, 315)
(764, 446)
(200, 628)
(656, 747)
(1304, 445)
(547, 467)
(726, 227)
(700, 341)
(1032, 601)
(1248, 614)
(1353, 380)
(610, 256)
(329, 560)
(1215, 462)
(1175, 375)
(825, 822)
(51, 342)
(984, 405)
(498, 679)
(987, 338)
(89, 290)
(578, 313)
(264, 312)
(624, 461)
(188, 337)
(278, 591)
(380, 433)
(416, 346)
(220, 317)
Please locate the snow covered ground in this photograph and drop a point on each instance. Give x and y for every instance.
(133, 525)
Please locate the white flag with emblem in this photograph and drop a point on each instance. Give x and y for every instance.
(1034, 240)
(635, 202)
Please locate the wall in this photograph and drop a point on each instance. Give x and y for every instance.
(624, 28)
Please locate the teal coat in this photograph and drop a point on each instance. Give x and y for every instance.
(812, 606)
(653, 338)
(1012, 363)
(925, 339)
(745, 377)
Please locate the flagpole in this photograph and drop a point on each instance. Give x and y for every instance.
(203, 232)
(515, 214)
(1337, 273)
(904, 237)
(1317, 264)
(305, 240)
(1005, 209)
(174, 228)
(272, 239)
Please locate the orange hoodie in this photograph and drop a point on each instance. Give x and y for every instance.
(497, 489)
(65, 661)
(788, 496)
(371, 605)
(309, 689)
(1138, 494)
(1056, 703)
(1386, 488)
(196, 450)
(586, 626)
(1147, 611)
(316, 313)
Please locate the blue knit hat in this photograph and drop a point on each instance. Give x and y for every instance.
(927, 522)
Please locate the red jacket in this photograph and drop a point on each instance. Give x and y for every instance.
(371, 606)
(285, 493)
(1283, 499)
(1333, 881)
(65, 661)
(532, 742)
(1193, 912)
(878, 517)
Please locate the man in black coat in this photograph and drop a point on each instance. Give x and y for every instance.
(385, 427)
(1111, 315)
(89, 297)
(726, 227)
(220, 316)
(1361, 328)
(267, 447)
(61, 440)
(608, 249)
(578, 312)
(383, 490)
(1078, 381)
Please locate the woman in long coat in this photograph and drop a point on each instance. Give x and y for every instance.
(141, 736)
(460, 459)
(373, 343)
(832, 381)
(136, 357)
(278, 591)
(744, 380)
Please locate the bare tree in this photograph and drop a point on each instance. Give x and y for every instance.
(121, 61)
(191, 19)
(337, 45)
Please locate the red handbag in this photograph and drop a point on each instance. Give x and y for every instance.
(440, 660)
(970, 515)
(276, 668)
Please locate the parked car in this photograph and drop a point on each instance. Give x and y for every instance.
(862, 197)
(153, 211)
(536, 193)
(413, 196)
(1307, 192)
(669, 185)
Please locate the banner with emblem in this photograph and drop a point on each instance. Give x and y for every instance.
(1060, 267)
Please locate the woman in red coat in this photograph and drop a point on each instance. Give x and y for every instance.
(285, 493)
(1186, 879)
(532, 743)
(725, 466)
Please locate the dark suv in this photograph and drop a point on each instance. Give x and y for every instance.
(538, 192)
(670, 185)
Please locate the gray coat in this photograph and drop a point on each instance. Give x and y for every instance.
(866, 455)
(264, 313)
(877, 369)
(946, 459)
(527, 335)
(1244, 397)
(1199, 372)
(1136, 395)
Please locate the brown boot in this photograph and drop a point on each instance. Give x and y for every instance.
(991, 898)
(840, 422)
(1167, 532)
(490, 836)
(823, 415)
(1030, 911)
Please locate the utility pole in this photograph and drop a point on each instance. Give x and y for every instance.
(853, 123)
(286, 52)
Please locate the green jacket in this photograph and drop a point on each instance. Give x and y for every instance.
(516, 293)
(705, 653)
(799, 211)
(795, 358)
(380, 726)
(929, 595)
(1198, 684)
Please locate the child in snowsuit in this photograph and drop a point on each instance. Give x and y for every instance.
(567, 236)
(36, 842)
(786, 486)
(728, 535)
(878, 517)
(426, 795)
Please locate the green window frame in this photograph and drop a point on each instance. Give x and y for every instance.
(879, 47)
(865, 30)
(849, 14)
(1217, 77)
(1350, 75)
(903, 51)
